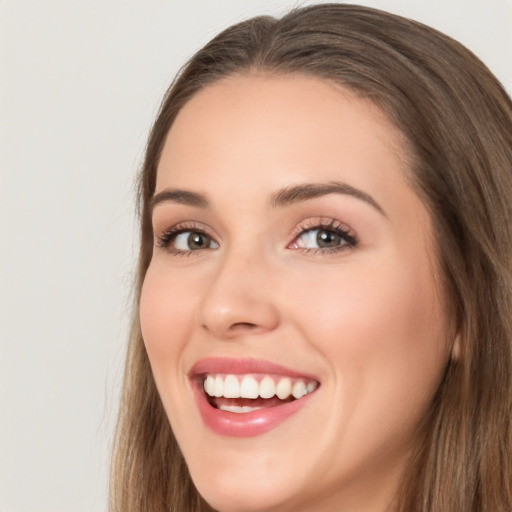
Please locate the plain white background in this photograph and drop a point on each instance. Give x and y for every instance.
(80, 83)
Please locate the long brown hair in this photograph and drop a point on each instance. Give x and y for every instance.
(457, 120)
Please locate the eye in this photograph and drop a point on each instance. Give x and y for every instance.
(331, 237)
(182, 240)
(193, 241)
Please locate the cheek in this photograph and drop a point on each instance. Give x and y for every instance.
(165, 308)
(381, 304)
(384, 333)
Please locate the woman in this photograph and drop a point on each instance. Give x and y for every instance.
(324, 284)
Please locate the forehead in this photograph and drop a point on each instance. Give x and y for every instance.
(251, 131)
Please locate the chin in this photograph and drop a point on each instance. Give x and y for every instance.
(228, 495)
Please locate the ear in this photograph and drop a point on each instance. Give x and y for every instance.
(457, 347)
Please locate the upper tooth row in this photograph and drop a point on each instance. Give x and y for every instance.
(231, 386)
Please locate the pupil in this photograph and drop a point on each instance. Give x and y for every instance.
(327, 239)
(197, 240)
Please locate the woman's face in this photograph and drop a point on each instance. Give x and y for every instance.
(291, 259)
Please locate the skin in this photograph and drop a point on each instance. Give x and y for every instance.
(366, 320)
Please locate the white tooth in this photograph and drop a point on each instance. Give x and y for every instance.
(209, 385)
(231, 408)
(284, 388)
(312, 385)
(299, 389)
(231, 387)
(246, 408)
(249, 388)
(238, 409)
(267, 387)
(219, 386)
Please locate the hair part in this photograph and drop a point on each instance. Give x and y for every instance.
(457, 120)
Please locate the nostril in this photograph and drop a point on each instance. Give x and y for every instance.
(223, 315)
(242, 326)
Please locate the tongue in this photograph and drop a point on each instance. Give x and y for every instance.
(250, 402)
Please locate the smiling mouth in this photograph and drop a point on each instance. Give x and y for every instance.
(252, 392)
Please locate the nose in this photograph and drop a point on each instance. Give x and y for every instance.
(239, 299)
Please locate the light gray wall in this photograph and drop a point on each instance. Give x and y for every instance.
(79, 86)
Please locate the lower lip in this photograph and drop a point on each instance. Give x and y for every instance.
(247, 424)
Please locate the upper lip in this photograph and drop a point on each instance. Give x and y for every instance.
(235, 366)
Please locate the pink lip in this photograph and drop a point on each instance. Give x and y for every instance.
(246, 424)
(243, 366)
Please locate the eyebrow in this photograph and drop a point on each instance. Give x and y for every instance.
(282, 198)
(298, 193)
(179, 196)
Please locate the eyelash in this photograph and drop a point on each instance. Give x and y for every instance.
(329, 225)
(164, 239)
